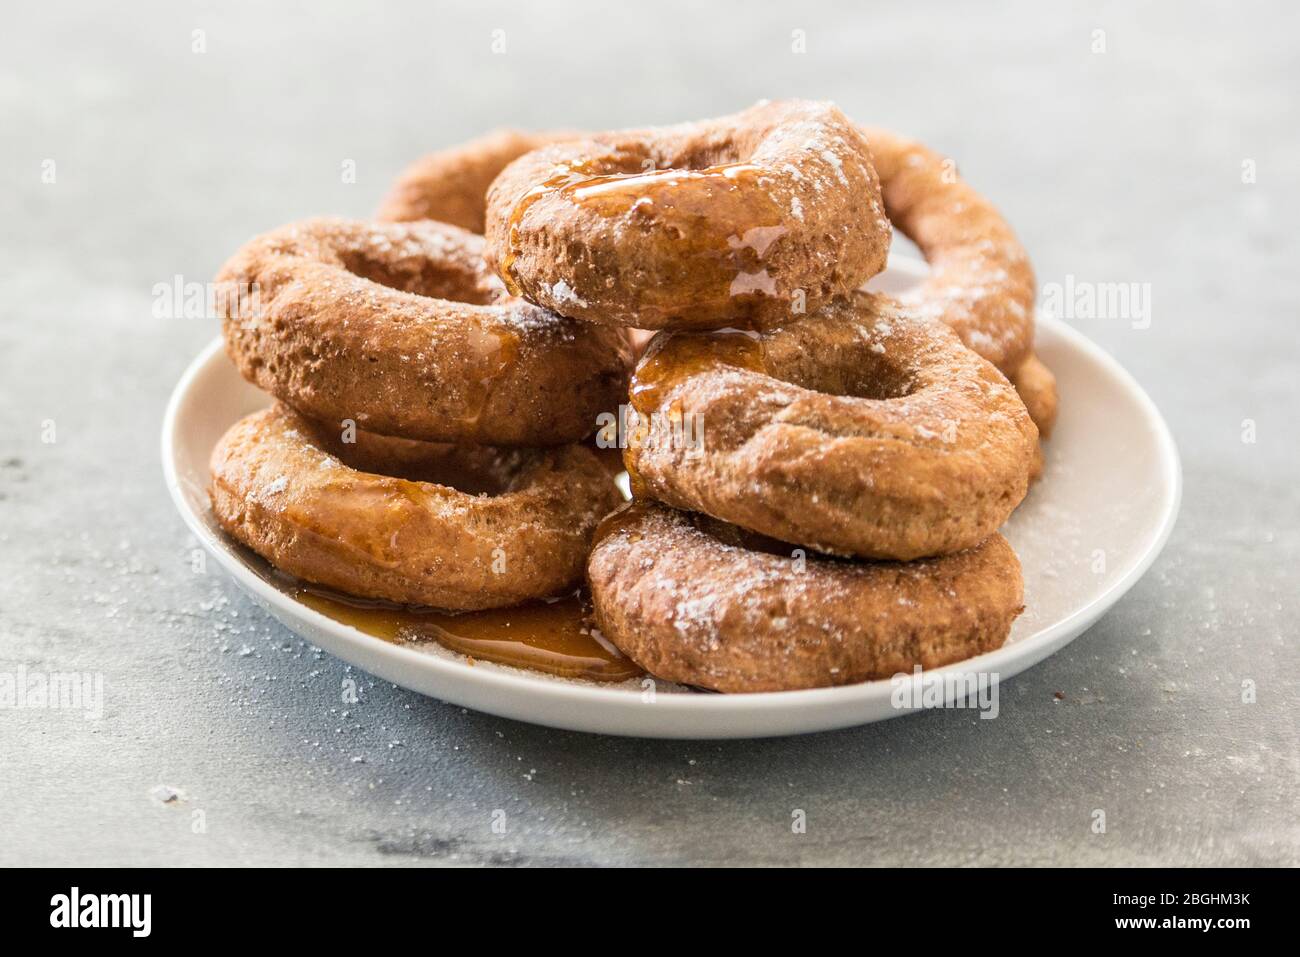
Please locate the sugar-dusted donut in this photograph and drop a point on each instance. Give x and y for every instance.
(743, 220)
(860, 430)
(380, 517)
(451, 185)
(400, 328)
(696, 601)
(981, 282)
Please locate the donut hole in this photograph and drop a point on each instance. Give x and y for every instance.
(474, 470)
(637, 159)
(423, 276)
(879, 381)
(701, 156)
(854, 370)
(452, 470)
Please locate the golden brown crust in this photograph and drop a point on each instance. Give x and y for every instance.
(1036, 386)
(1037, 466)
(742, 220)
(280, 485)
(689, 602)
(981, 282)
(451, 185)
(398, 327)
(860, 430)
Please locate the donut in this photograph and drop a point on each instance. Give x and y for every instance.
(451, 185)
(981, 282)
(861, 430)
(696, 601)
(379, 518)
(400, 328)
(1036, 387)
(743, 220)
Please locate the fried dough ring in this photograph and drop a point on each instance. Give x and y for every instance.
(316, 508)
(1036, 386)
(451, 185)
(696, 601)
(741, 220)
(399, 327)
(861, 430)
(981, 282)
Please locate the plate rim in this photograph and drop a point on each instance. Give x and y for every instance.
(1005, 661)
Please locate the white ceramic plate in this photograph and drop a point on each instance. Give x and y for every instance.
(1085, 535)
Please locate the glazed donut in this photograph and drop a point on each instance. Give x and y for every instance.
(696, 601)
(860, 430)
(451, 185)
(743, 220)
(980, 282)
(400, 328)
(376, 519)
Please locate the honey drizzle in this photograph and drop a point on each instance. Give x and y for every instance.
(555, 637)
(677, 356)
(524, 203)
(683, 354)
(496, 350)
(615, 194)
(626, 516)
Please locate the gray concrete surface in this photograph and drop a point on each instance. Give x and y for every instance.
(1123, 165)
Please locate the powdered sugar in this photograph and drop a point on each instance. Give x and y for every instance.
(562, 294)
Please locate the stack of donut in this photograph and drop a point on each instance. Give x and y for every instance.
(836, 521)
(409, 383)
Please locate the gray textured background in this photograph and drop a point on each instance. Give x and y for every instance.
(1116, 166)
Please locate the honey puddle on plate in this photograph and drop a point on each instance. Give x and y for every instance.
(556, 637)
